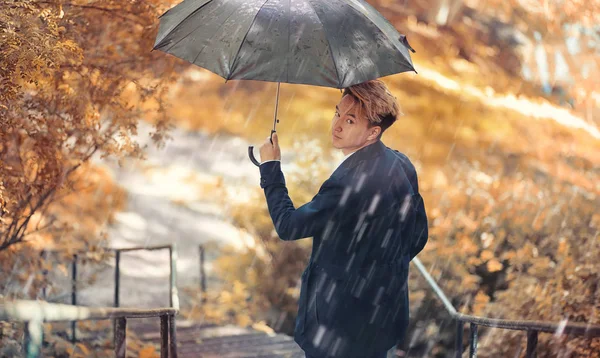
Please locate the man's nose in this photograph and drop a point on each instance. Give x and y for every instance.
(336, 125)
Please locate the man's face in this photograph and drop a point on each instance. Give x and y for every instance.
(349, 127)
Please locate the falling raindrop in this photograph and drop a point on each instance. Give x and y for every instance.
(318, 338)
(561, 327)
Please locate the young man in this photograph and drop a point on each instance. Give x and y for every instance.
(367, 221)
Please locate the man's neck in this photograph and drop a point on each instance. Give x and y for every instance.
(349, 151)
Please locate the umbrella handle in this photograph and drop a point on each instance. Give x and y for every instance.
(251, 151)
(251, 155)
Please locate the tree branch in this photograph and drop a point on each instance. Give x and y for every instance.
(113, 12)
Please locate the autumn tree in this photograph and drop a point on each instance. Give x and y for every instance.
(75, 79)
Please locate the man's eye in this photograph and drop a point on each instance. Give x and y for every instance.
(337, 114)
(350, 121)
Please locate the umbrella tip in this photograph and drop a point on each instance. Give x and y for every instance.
(404, 41)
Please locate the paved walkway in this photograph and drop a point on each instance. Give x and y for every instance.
(212, 341)
(166, 205)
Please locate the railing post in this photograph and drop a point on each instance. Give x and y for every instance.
(473, 341)
(171, 277)
(44, 257)
(120, 337)
(532, 340)
(173, 294)
(202, 275)
(164, 336)
(74, 295)
(459, 339)
(172, 336)
(117, 259)
(34, 334)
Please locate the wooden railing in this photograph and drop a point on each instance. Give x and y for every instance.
(532, 327)
(35, 313)
(173, 295)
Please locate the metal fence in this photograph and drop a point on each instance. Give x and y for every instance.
(35, 313)
(531, 327)
(173, 294)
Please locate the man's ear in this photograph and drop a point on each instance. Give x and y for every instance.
(375, 131)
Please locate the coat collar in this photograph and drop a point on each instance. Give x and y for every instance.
(365, 153)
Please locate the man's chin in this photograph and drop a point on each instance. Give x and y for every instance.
(334, 144)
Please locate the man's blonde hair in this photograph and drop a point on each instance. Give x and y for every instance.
(376, 102)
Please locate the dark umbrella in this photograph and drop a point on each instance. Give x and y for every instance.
(329, 43)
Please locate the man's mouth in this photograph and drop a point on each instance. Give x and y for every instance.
(337, 137)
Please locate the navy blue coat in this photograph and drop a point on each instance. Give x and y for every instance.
(367, 221)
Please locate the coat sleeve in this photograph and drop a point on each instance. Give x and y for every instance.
(307, 220)
(421, 231)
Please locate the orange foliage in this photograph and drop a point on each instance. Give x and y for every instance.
(75, 78)
(84, 210)
(65, 69)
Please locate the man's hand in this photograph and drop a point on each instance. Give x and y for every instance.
(270, 151)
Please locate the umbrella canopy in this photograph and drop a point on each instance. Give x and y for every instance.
(330, 43)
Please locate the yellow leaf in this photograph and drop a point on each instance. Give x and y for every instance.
(262, 326)
(486, 255)
(481, 297)
(148, 352)
(83, 349)
(494, 265)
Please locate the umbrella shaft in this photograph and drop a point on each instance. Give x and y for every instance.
(276, 105)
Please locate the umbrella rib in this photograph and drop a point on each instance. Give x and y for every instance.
(179, 24)
(203, 47)
(243, 40)
(183, 38)
(377, 26)
(191, 32)
(328, 42)
(287, 53)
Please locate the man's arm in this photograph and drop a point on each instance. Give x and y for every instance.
(421, 232)
(306, 221)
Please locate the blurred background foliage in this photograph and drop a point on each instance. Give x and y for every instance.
(501, 123)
